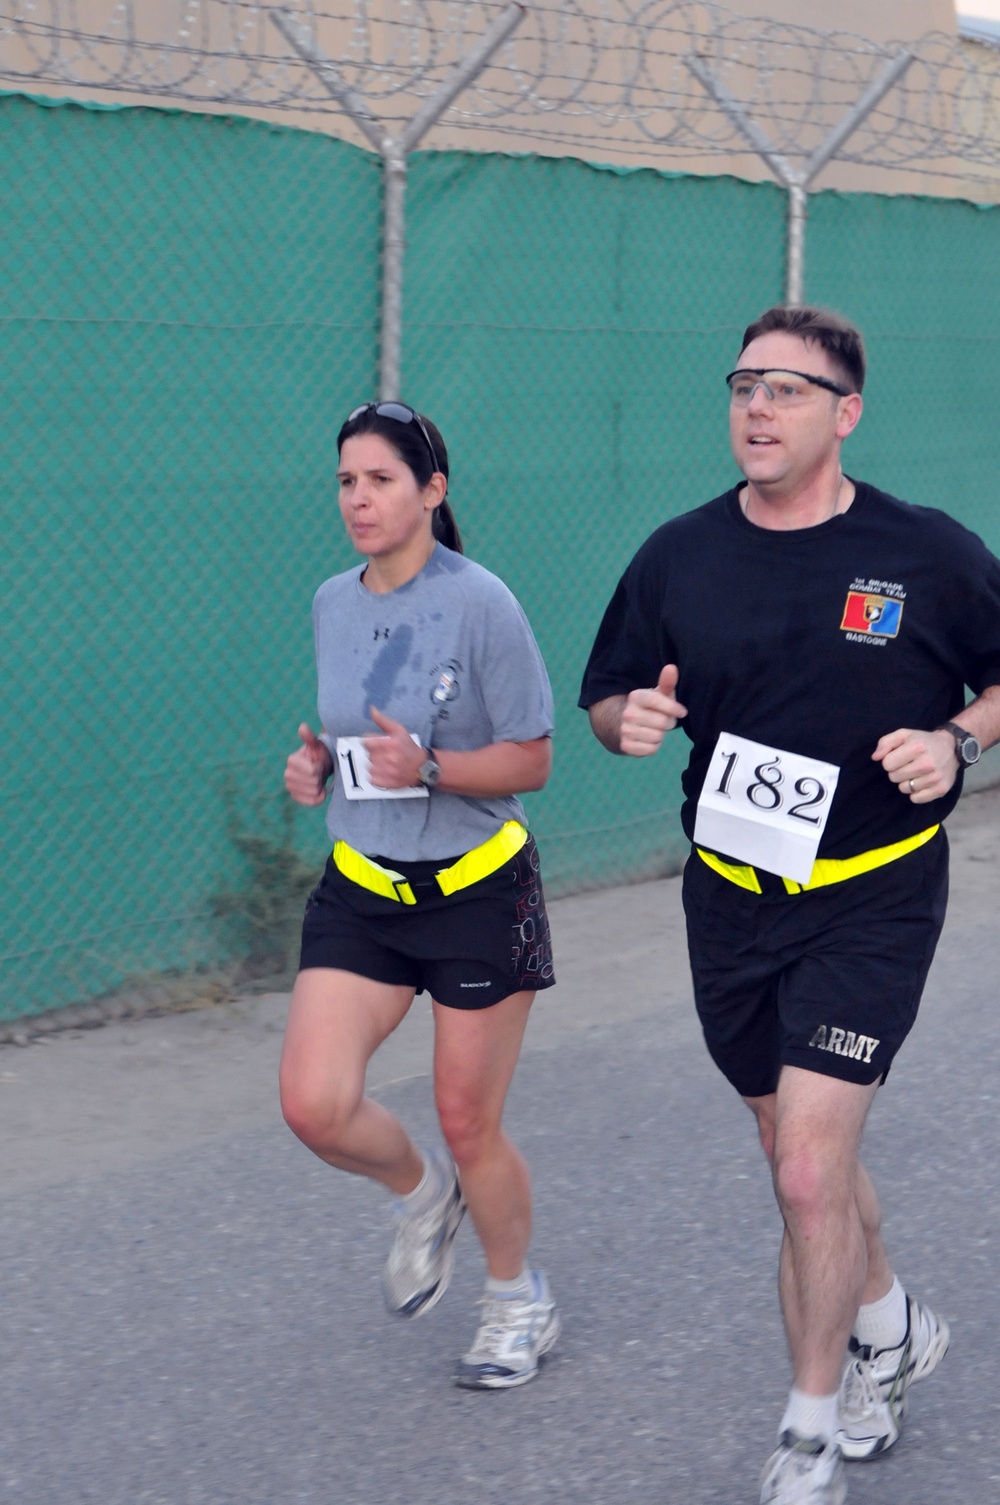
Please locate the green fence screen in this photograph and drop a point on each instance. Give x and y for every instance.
(189, 306)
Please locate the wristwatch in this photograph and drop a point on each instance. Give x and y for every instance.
(429, 772)
(967, 748)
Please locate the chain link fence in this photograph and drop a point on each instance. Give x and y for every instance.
(189, 306)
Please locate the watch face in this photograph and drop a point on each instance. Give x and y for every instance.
(969, 751)
(430, 773)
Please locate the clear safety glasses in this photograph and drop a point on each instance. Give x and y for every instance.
(786, 389)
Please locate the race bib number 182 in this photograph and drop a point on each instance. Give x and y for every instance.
(764, 806)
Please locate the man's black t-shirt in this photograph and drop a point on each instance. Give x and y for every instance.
(817, 641)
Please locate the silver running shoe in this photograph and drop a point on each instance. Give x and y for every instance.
(803, 1471)
(873, 1390)
(422, 1256)
(513, 1335)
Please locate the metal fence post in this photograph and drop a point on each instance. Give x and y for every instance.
(393, 251)
(797, 180)
(795, 245)
(394, 151)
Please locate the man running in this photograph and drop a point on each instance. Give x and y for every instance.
(814, 636)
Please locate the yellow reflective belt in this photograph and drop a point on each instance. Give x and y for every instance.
(482, 861)
(744, 877)
(836, 869)
(478, 863)
(367, 874)
(826, 870)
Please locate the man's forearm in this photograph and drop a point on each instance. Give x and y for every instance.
(606, 721)
(981, 717)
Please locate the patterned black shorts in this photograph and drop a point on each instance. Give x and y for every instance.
(468, 950)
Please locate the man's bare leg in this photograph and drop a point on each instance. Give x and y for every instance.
(832, 1255)
(879, 1276)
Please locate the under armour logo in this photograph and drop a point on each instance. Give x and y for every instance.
(381, 632)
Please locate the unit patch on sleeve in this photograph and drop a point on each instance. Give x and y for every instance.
(873, 611)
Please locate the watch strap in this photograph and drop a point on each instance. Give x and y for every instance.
(962, 735)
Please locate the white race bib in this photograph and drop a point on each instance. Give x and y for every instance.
(767, 807)
(355, 774)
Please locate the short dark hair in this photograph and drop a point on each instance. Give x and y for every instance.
(411, 447)
(819, 326)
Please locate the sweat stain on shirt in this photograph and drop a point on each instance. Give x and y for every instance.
(381, 679)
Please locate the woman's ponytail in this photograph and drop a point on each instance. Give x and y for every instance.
(446, 528)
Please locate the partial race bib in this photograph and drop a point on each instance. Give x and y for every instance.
(767, 807)
(355, 774)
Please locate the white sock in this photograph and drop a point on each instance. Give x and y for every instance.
(882, 1324)
(427, 1191)
(521, 1286)
(810, 1415)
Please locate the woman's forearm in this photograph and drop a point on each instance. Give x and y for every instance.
(500, 769)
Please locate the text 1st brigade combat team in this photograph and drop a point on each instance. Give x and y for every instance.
(820, 773)
(819, 776)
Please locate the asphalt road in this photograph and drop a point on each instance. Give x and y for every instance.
(190, 1303)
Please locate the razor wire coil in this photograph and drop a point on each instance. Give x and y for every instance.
(578, 76)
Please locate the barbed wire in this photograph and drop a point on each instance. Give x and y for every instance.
(583, 75)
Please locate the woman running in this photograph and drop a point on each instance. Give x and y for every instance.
(436, 713)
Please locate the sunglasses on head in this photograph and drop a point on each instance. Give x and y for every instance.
(401, 412)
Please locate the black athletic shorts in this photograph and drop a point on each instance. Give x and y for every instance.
(828, 980)
(467, 950)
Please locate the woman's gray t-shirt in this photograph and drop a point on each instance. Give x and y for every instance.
(449, 654)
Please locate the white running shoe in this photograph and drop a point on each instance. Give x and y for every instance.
(803, 1471)
(513, 1335)
(422, 1256)
(873, 1390)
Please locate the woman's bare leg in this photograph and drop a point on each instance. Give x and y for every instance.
(336, 1022)
(475, 1054)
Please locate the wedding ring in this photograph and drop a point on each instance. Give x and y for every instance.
(910, 782)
